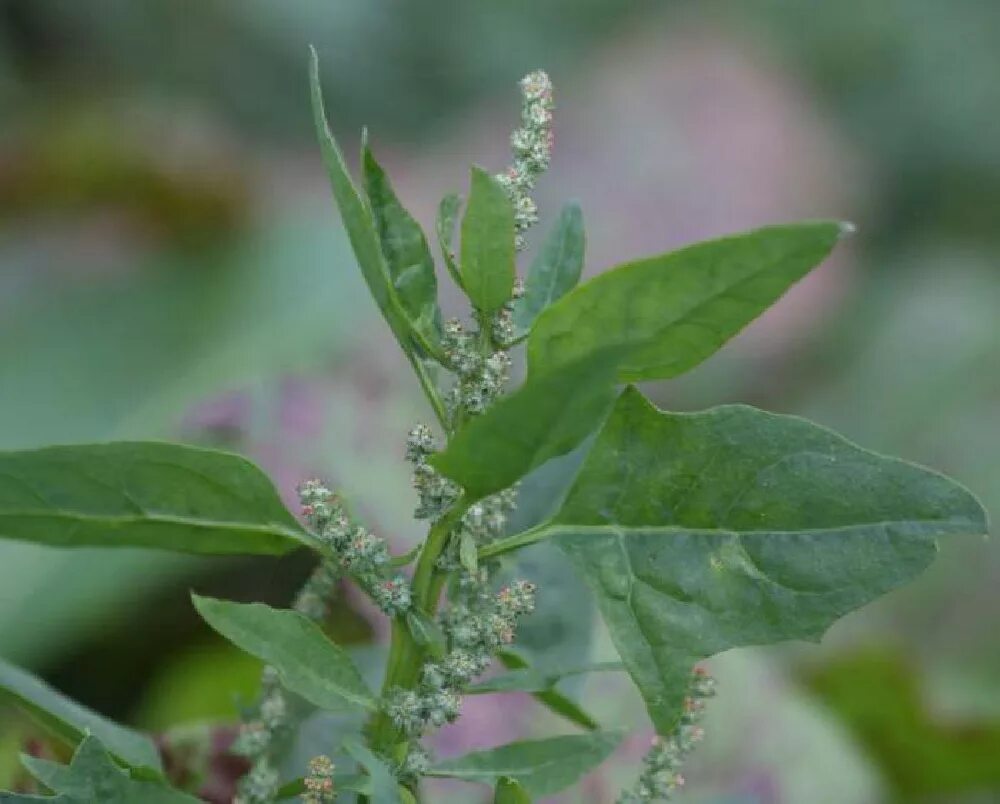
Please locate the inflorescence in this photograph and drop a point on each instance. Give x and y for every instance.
(661, 778)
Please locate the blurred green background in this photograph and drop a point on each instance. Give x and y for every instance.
(171, 266)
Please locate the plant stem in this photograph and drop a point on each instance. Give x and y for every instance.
(430, 390)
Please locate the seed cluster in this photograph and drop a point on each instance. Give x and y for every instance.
(319, 781)
(661, 778)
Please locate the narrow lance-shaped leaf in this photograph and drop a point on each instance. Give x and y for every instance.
(544, 418)
(554, 271)
(707, 531)
(407, 255)
(92, 776)
(447, 218)
(487, 263)
(143, 494)
(668, 313)
(361, 227)
(306, 661)
(541, 767)
(72, 721)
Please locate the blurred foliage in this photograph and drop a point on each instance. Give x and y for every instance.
(878, 696)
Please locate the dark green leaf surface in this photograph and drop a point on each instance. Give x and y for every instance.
(707, 531)
(72, 721)
(668, 313)
(554, 271)
(447, 219)
(91, 777)
(384, 787)
(509, 791)
(542, 767)
(544, 418)
(360, 226)
(307, 662)
(143, 494)
(487, 263)
(404, 247)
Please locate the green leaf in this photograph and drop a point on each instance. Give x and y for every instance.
(509, 791)
(72, 721)
(360, 227)
(542, 767)
(384, 787)
(707, 531)
(407, 256)
(554, 271)
(92, 776)
(426, 633)
(487, 263)
(544, 418)
(143, 494)
(668, 313)
(447, 218)
(468, 552)
(307, 662)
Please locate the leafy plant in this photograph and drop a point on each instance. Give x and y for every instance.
(696, 532)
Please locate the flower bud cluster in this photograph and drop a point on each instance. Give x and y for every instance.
(319, 781)
(660, 778)
(476, 629)
(480, 378)
(361, 554)
(269, 724)
(531, 145)
(435, 493)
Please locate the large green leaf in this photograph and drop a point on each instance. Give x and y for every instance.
(307, 662)
(487, 263)
(668, 313)
(544, 418)
(72, 721)
(92, 776)
(143, 494)
(407, 255)
(360, 227)
(555, 270)
(707, 531)
(542, 767)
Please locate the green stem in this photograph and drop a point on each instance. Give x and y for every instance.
(430, 390)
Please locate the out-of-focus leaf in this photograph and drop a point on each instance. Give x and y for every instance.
(878, 697)
(447, 218)
(92, 776)
(509, 791)
(143, 494)
(542, 767)
(307, 662)
(72, 721)
(384, 788)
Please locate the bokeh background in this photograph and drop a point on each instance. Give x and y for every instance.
(171, 266)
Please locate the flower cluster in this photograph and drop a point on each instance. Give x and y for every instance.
(319, 781)
(532, 148)
(364, 556)
(258, 735)
(480, 378)
(660, 778)
(476, 629)
(435, 493)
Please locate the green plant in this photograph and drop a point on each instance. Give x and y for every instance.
(695, 532)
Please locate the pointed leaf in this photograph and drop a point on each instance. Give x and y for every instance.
(307, 662)
(544, 418)
(426, 633)
(707, 531)
(360, 227)
(509, 791)
(554, 271)
(487, 263)
(72, 721)
(143, 494)
(542, 767)
(447, 218)
(404, 247)
(384, 787)
(668, 313)
(92, 776)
